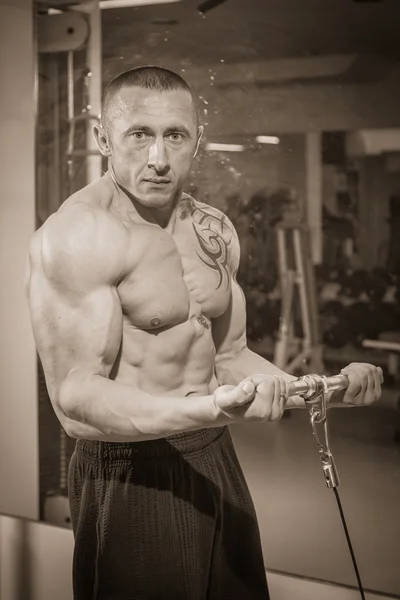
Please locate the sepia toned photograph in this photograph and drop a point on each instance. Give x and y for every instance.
(200, 313)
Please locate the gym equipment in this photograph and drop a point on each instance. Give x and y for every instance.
(263, 313)
(378, 283)
(61, 33)
(310, 387)
(313, 388)
(334, 331)
(364, 308)
(56, 505)
(360, 323)
(85, 116)
(256, 321)
(335, 337)
(391, 344)
(355, 283)
(385, 318)
(352, 323)
(259, 263)
(273, 314)
(393, 259)
(297, 283)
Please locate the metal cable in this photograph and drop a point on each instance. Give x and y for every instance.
(353, 558)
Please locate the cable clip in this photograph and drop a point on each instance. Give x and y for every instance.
(315, 400)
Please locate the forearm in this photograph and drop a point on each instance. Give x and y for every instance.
(247, 363)
(98, 408)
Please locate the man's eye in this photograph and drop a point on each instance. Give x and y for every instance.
(139, 135)
(175, 137)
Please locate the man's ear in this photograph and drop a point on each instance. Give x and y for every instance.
(102, 140)
(200, 131)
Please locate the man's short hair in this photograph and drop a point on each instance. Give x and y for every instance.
(147, 77)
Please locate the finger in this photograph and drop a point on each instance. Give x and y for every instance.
(354, 387)
(369, 394)
(275, 409)
(370, 379)
(364, 383)
(285, 395)
(356, 367)
(237, 397)
(279, 405)
(357, 385)
(257, 378)
(243, 393)
(364, 396)
(378, 376)
(266, 396)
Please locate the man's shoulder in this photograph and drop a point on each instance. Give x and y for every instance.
(210, 216)
(93, 199)
(81, 232)
(208, 221)
(84, 213)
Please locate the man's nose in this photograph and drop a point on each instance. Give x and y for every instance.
(158, 156)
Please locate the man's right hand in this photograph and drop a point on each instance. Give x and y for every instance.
(245, 402)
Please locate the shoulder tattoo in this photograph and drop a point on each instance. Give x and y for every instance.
(218, 241)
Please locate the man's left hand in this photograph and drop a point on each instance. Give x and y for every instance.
(364, 384)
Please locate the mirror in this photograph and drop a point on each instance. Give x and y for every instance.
(300, 106)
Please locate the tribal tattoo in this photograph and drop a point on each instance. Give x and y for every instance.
(203, 321)
(214, 234)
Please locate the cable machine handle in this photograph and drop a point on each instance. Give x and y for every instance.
(310, 385)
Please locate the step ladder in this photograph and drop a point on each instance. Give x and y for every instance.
(295, 352)
(86, 116)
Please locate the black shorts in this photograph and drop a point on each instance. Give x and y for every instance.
(169, 519)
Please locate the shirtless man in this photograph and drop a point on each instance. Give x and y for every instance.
(140, 326)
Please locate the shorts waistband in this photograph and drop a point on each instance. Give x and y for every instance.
(179, 443)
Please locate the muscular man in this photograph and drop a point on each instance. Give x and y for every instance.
(140, 326)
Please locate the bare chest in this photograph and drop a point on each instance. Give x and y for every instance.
(175, 277)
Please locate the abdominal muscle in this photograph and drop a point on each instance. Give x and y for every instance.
(174, 361)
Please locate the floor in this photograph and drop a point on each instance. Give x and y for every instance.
(299, 520)
(286, 587)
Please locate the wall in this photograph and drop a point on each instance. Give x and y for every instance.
(18, 402)
(36, 564)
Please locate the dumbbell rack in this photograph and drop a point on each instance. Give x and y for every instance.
(297, 285)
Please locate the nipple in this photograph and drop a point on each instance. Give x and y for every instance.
(155, 322)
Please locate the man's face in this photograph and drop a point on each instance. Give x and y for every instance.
(153, 137)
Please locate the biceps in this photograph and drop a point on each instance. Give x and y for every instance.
(84, 334)
(229, 330)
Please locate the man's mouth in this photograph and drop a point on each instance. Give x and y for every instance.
(157, 180)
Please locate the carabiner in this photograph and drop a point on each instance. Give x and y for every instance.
(316, 404)
(328, 463)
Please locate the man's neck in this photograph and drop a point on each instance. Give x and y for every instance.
(127, 204)
(166, 217)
